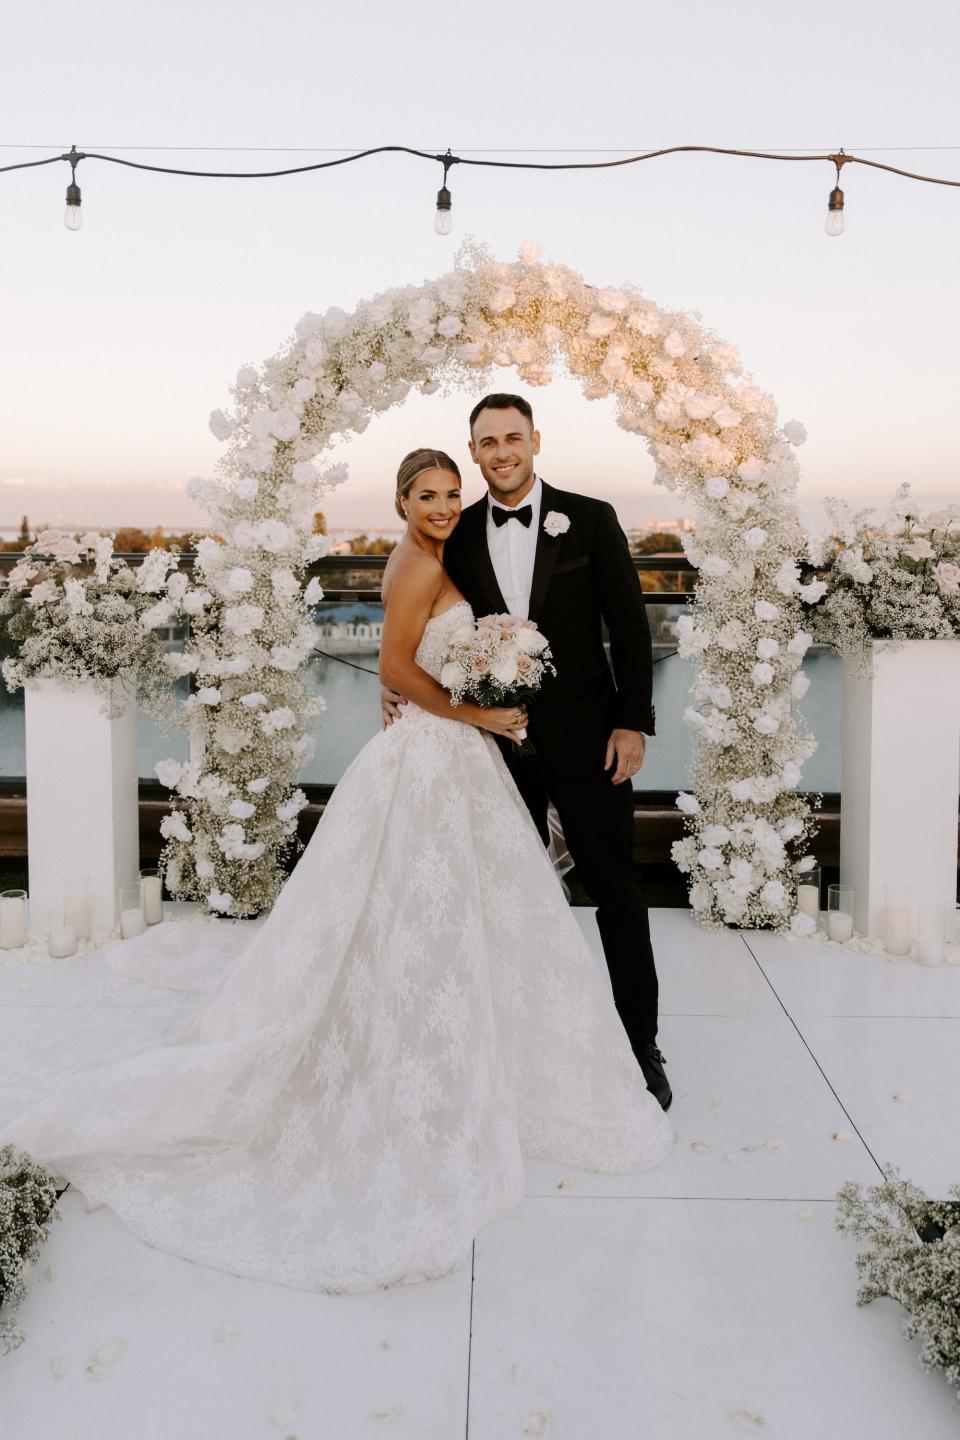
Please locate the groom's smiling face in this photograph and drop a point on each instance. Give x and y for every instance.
(503, 443)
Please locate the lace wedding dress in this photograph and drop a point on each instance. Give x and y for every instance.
(339, 1097)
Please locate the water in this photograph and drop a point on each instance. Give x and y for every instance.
(353, 709)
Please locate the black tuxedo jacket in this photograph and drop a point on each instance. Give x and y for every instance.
(581, 579)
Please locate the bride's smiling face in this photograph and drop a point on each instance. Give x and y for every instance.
(434, 504)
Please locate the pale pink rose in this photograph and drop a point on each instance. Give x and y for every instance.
(948, 577)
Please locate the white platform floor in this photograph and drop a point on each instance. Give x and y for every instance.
(709, 1298)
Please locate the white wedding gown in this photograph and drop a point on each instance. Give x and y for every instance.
(339, 1097)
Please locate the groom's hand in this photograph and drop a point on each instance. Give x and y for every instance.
(390, 703)
(627, 748)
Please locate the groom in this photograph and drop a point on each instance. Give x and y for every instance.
(562, 560)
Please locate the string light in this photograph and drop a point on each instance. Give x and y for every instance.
(73, 215)
(443, 219)
(834, 222)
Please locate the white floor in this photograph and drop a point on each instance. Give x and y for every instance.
(709, 1298)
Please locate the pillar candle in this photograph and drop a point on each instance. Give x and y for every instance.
(151, 895)
(132, 923)
(896, 929)
(63, 942)
(13, 923)
(808, 901)
(839, 926)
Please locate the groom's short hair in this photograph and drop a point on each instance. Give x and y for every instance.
(502, 402)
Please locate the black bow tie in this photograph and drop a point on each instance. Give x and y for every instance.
(501, 516)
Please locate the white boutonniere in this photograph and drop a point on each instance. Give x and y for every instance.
(556, 523)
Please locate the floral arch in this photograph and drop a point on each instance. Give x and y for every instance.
(714, 437)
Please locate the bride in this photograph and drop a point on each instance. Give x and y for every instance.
(339, 1097)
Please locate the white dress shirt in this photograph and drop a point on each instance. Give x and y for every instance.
(513, 549)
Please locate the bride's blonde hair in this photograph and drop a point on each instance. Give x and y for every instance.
(413, 465)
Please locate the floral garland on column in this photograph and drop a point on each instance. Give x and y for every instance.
(714, 437)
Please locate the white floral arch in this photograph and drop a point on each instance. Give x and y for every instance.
(714, 438)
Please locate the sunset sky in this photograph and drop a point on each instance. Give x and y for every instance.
(118, 341)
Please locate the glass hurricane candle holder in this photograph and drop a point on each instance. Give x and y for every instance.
(76, 905)
(931, 933)
(13, 919)
(132, 919)
(151, 895)
(897, 929)
(808, 893)
(840, 913)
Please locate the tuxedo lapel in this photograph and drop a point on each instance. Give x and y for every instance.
(478, 553)
(548, 548)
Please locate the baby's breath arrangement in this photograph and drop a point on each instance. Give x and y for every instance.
(28, 1198)
(922, 1277)
(76, 613)
(713, 435)
(897, 580)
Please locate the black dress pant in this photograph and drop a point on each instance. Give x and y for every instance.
(597, 820)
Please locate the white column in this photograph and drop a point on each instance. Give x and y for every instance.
(82, 814)
(900, 777)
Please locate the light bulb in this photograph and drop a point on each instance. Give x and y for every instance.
(834, 225)
(443, 220)
(73, 215)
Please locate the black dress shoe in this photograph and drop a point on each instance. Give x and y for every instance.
(652, 1063)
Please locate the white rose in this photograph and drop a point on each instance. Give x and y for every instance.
(241, 809)
(530, 642)
(716, 487)
(767, 647)
(174, 827)
(715, 565)
(314, 592)
(221, 425)
(741, 789)
(803, 925)
(774, 893)
(812, 592)
(449, 326)
(502, 300)
(720, 696)
(762, 674)
(304, 473)
(530, 252)
(504, 669)
(800, 643)
(168, 772)
(674, 344)
(726, 417)
(600, 325)
(715, 835)
(799, 685)
(795, 431)
(452, 676)
(791, 828)
(766, 724)
(766, 610)
(240, 580)
(221, 901)
(755, 537)
(710, 858)
(273, 535)
(253, 699)
(556, 523)
(751, 471)
(699, 405)
(208, 695)
(790, 774)
(335, 475)
(257, 787)
(689, 804)
(308, 325)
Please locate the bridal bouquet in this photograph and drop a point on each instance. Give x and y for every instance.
(899, 580)
(73, 612)
(502, 661)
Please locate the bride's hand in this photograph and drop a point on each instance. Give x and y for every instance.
(508, 721)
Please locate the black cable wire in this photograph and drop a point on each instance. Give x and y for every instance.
(839, 159)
